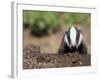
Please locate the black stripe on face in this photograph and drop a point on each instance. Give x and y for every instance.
(77, 35)
(68, 36)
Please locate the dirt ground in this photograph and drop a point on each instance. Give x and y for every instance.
(41, 52)
(32, 58)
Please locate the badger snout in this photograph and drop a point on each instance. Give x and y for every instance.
(73, 45)
(73, 48)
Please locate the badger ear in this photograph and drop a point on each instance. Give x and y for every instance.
(80, 30)
(66, 30)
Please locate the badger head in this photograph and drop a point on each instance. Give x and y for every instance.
(73, 38)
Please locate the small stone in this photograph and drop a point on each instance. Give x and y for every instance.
(80, 62)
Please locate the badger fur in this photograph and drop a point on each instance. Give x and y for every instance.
(72, 42)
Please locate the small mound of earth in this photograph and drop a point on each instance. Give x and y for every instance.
(32, 58)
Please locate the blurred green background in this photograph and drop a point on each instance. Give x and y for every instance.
(43, 23)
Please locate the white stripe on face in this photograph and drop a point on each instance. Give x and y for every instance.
(80, 40)
(66, 40)
(73, 34)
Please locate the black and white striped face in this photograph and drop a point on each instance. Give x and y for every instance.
(73, 37)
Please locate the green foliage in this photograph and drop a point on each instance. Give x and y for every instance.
(41, 22)
(77, 18)
(45, 22)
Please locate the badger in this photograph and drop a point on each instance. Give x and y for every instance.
(72, 42)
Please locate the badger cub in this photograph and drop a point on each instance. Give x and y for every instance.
(72, 42)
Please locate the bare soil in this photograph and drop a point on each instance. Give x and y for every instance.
(32, 58)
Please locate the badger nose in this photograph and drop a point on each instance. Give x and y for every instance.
(73, 47)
